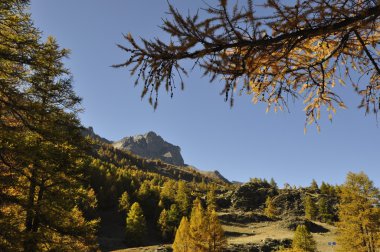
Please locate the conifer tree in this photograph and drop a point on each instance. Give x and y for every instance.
(205, 232)
(324, 188)
(198, 227)
(311, 211)
(303, 240)
(314, 185)
(182, 237)
(43, 152)
(211, 199)
(182, 198)
(270, 210)
(324, 210)
(135, 225)
(163, 224)
(216, 239)
(359, 214)
(273, 183)
(124, 202)
(168, 192)
(174, 216)
(148, 197)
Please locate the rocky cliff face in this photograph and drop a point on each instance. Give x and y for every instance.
(152, 146)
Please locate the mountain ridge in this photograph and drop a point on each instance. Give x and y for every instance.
(165, 151)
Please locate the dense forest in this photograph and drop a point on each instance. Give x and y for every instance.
(62, 189)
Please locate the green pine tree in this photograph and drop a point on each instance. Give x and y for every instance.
(163, 224)
(174, 216)
(314, 185)
(135, 225)
(325, 213)
(211, 198)
(303, 240)
(182, 198)
(273, 183)
(311, 210)
(124, 202)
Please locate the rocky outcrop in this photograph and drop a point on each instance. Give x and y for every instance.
(289, 203)
(252, 195)
(267, 245)
(291, 223)
(152, 146)
(243, 217)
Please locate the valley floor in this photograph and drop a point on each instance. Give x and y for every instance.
(258, 232)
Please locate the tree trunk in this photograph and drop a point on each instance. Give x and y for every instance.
(30, 242)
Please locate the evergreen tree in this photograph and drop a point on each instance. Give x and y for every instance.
(168, 222)
(205, 232)
(148, 196)
(182, 237)
(324, 188)
(203, 185)
(43, 153)
(217, 241)
(325, 213)
(168, 192)
(314, 185)
(303, 240)
(198, 227)
(273, 183)
(135, 225)
(182, 198)
(270, 210)
(211, 199)
(124, 202)
(174, 216)
(163, 224)
(311, 211)
(359, 214)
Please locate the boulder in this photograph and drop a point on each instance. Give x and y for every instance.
(267, 245)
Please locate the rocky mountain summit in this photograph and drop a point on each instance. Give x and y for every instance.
(152, 146)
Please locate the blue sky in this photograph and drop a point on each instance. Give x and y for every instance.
(241, 142)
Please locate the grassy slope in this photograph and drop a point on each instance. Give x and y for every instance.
(257, 232)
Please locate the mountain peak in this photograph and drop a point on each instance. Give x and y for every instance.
(151, 145)
(151, 134)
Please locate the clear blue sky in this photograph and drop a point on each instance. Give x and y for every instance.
(241, 142)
